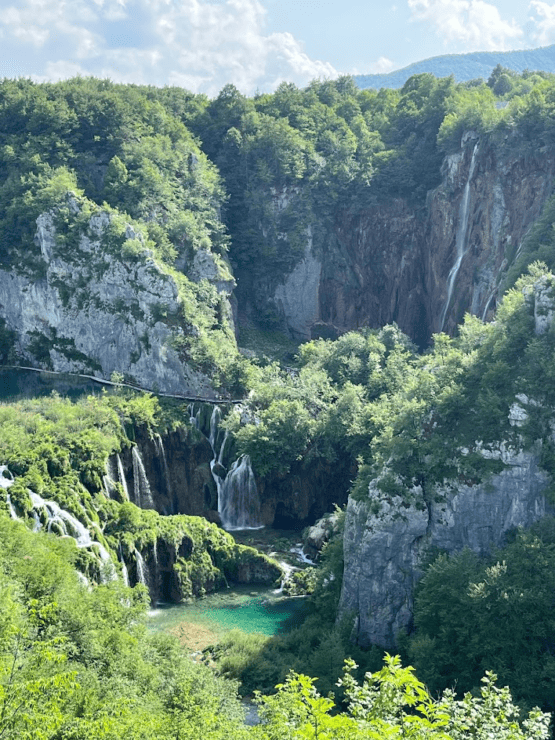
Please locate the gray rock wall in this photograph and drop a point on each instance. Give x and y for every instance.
(386, 540)
(98, 313)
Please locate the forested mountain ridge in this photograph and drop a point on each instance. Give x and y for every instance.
(464, 67)
(334, 208)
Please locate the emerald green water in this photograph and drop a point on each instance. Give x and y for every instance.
(241, 608)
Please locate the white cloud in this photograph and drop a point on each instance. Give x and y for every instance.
(474, 24)
(382, 65)
(201, 44)
(544, 21)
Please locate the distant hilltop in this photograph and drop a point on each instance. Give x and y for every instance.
(465, 67)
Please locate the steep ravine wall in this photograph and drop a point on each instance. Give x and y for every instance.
(392, 261)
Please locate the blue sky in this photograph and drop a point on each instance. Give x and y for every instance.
(255, 44)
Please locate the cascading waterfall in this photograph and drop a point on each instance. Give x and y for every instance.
(124, 571)
(52, 515)
(125, 574)
(11, 508)
(142, 569)
(64, 521)
(222, 448)
(461, 237)
(109, 479)
(6, 480)
(141, 486)
(214, 425)
(194, 416)
(238, 501)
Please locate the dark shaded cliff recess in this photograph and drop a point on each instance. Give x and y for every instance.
(177, 468)
(307, 492)
(420, 265)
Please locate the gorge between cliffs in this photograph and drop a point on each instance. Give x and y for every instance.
(327, 312)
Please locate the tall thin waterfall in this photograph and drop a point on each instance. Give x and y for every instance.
(238, 501)
(124, 574)
(461, 237)
(162, 454)
(121, 477)
(214, 424)
(109, 478)
(141, 486)
(124, 571)
(142, 569)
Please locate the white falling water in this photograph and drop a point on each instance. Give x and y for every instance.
(142, 569)
(6, 478)
(162, 454)
(83, 580)
(121, 477)
(51, 513)
(461, 237)
(67, 523)
(143, 494)
(214, 425)
(222, 448)
(238, 501)
(194, 416)
(108, 570)
(13, 512)
(124, 574)
(109, 478)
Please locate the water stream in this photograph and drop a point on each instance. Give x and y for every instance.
(121, 477)
(142, 569)
(461, 239)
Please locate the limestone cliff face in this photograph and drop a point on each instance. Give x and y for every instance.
(95, 311)
(385, 540)
(423, 266)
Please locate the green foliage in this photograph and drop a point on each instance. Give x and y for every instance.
(104, 148)
(77, 663)
(473, 614)
(393, 703)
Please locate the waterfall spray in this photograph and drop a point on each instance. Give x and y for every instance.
(238, 501)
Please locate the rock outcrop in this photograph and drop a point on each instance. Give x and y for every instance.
(98, 310)
(386, 540)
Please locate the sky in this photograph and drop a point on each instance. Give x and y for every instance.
(254, 44)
